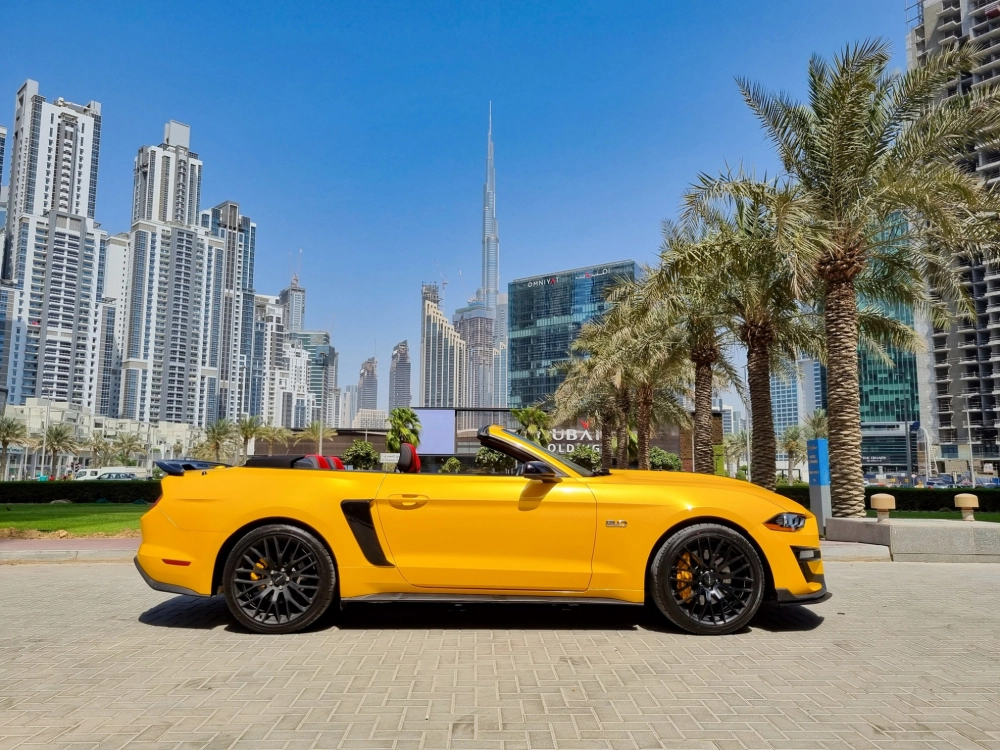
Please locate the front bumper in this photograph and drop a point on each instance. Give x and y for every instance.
(167, 587)
(784, 596)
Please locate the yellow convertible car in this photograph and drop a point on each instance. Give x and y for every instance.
(285, 537)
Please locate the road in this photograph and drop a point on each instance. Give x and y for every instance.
(904, 656)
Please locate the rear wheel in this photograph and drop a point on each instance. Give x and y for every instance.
(707, 579)
(279, 579)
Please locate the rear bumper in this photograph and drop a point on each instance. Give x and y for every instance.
(167, 587)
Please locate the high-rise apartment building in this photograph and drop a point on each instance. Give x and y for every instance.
(444, 361)
(281, 375)
(112, 291)
(546, 314)
(963, 378)
(236, 306)
(52, 252)
(293, 297)
(348, 406)
(323, 363)
(177, 277)
(368, 384)
(399, 376)
(474, 324)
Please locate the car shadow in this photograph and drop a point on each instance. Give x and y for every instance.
(206, 614)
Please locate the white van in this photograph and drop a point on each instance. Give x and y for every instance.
(84, 474)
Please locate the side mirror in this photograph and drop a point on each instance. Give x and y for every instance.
(540, 471)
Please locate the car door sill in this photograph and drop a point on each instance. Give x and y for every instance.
(485, 598)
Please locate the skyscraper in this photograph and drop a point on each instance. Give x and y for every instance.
(52, 252)
(293, 297)
(236, 307)
(368, 384)
(281, 389)
(474, 324)
(959, 380)
(399, 376)
(444, 362)
(177, 278)
(546, 314)
(323, 363)
(491, 238)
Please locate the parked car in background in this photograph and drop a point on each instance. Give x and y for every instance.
(136, 472)
(120, 476)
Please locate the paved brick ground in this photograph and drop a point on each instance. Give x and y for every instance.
(904, 656)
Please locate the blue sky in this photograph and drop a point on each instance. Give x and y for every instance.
(357, 131)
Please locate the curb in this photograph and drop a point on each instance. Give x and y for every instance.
(14, 557)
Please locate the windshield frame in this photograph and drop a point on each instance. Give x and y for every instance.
(561, 462)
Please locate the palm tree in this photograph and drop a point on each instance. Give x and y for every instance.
(816, 425)
(735, 447)
(12, 432)
(219, 436)
(312, 434)
(761, 235)
(580, 398)
(59, 438)
(404, 427)
(128, 444)
(248, 428)
(690, 303)
(535, 424)
(878, 155)
(794, 445)
(101, 450)
(274, 434)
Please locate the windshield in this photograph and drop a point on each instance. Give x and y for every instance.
(559, 460)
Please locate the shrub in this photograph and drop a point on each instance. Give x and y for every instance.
(912, 498)
(362, 455)
(586, 456)
(451, 466)
(494, 460)
(660, 460)
(89, 491)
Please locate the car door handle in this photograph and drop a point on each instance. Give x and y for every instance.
(407, 501)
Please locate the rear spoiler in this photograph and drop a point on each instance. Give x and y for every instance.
(178, 467)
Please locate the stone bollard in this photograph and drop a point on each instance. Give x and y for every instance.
(882, 504)
(967, 503)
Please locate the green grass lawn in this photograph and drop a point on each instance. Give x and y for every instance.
(76, 519)
(954, 515)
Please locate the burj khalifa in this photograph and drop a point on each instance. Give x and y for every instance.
(491, 240)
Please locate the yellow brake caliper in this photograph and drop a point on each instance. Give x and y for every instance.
(684, 575)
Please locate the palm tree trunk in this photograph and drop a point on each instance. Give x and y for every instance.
(624, 407)
(847, 482)
(763, 448)
(703, 463)
(644, 424)
(3, 464)
(607, 451)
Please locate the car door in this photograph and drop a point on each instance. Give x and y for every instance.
(489, 532)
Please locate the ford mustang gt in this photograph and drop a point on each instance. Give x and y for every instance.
(285, 537)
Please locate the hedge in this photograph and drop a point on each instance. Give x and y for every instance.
(89, 491)
(913, 498)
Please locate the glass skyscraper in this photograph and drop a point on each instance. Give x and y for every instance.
(545, 314)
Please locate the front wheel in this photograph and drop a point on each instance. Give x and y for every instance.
(279, 579)
(707, 579)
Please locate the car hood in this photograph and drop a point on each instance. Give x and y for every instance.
(690, 480)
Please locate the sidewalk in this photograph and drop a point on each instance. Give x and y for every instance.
(67, 550)
(114, 550)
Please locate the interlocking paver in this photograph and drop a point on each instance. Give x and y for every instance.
(902, 657)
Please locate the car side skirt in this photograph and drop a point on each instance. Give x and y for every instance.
(359, 518)
(487, 598)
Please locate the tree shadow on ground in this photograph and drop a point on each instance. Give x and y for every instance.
(207, 614)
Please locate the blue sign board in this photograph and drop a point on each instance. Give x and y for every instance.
(819, 462)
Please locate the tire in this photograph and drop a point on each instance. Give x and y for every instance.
(279, 579)
(707, 579)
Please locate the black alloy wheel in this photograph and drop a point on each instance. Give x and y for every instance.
(279, 579)
(708, 579)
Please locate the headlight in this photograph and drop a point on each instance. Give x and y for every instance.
(786, 522)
